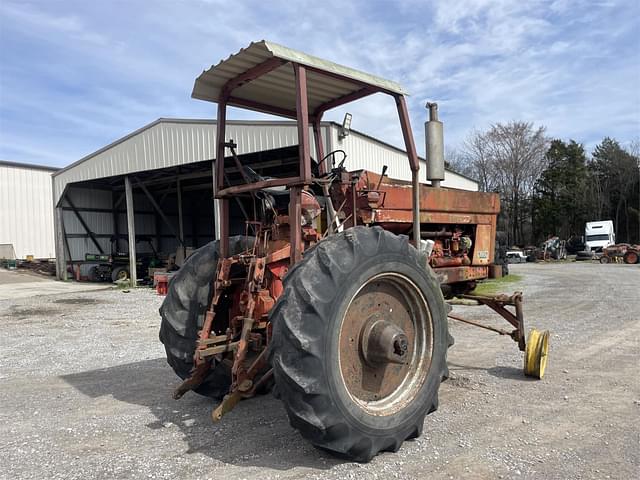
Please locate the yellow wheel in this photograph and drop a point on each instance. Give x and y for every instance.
(536, 353)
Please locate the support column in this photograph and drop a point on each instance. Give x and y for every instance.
(302, 111)
(61, 260)
(295, 193)
(131, 228)
(223, 218)
(317, 136)
(115, 218)
(414, 163)
(295, 214)
(216, 204)
(180, 219)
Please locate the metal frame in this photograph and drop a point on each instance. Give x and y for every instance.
(498, 304)
(304, 120)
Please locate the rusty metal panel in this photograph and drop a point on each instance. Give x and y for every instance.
(437, 205)
(451, 275)
(483, 253)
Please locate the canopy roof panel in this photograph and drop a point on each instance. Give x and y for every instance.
(261, 77)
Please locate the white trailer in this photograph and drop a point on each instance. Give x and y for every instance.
(599, 235)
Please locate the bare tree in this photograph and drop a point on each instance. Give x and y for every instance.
(476, 150)
(509, 158)
(458, 161)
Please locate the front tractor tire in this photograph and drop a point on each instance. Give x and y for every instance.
(360, 343)
(183, 311)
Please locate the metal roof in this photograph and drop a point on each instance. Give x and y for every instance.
(170, 142)
(269, 79)
(31, 166)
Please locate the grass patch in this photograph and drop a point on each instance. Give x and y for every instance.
(494, 286)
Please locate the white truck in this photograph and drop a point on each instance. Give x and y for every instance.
(599, 235)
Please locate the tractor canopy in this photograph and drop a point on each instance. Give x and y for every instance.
(273, 79)
(261, 77)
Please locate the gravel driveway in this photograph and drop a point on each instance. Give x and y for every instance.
(85, 392)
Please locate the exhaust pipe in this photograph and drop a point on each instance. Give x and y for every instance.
(435, 146)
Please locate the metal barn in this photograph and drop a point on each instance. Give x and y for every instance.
(26, 213)
(154, 187)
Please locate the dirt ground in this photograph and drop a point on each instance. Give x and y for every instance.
(85, 392)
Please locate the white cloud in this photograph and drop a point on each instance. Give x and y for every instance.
(90, 72)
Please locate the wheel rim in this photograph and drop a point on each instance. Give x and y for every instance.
(536, 354)
(632, 257)
(123, 275)
(388, 315)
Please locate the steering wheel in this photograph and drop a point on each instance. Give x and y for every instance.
(333, 153)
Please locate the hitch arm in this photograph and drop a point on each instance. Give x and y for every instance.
(498, 304)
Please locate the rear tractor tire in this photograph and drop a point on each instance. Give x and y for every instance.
(360, 343)
(183, 311)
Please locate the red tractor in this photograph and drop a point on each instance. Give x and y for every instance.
(333, 291)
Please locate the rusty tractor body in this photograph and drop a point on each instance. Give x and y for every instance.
(324, 296)
(620, 252)
(462, 224)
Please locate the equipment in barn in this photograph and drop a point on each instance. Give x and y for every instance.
(324, 295)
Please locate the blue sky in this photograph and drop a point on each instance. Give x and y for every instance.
(76, 75)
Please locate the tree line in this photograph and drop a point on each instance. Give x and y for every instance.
(551, 186)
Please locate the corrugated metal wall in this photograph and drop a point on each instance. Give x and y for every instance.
(168, 143)
(26, 212)
(101, 223)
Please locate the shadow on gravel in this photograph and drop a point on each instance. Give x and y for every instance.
(256, 433)
(511, 373)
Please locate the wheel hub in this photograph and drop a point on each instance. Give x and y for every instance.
(383, 342)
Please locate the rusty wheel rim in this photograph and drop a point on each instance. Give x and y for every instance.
(393, 304)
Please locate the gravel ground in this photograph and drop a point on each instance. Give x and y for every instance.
(86, 393)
